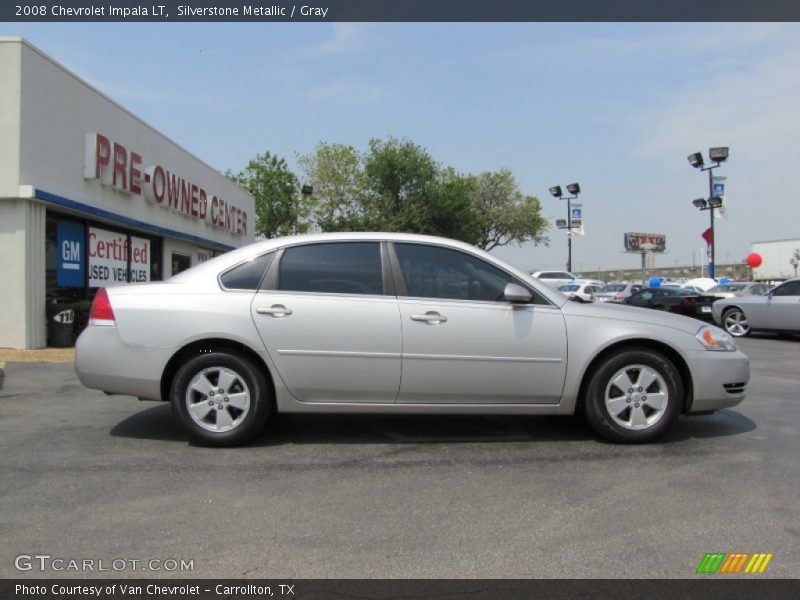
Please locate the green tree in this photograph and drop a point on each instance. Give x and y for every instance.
(504, 214)
(336, 172)
(280, 208)
(400, 177)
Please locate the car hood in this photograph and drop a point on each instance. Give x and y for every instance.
(632, 314)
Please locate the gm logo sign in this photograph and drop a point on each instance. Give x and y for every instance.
(737, 562)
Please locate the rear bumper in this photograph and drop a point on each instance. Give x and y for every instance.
(720, 379)
(104, 362)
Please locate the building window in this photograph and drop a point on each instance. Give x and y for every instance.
(180, 262)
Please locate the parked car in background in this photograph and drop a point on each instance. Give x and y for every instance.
(672, 299)
(585, 292)
(326, 323)
(554, 279)
(738, 288)
(777, 311)
(616, 291)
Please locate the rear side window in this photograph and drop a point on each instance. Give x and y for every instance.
(247, 275)
(335, 268)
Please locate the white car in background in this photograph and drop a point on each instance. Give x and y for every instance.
(555, 279)
(585, 292)
(617, 291)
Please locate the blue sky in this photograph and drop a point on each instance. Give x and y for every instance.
(616, 107)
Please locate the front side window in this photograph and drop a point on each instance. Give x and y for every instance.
(792, 288)
(435, 272)
(334, 268)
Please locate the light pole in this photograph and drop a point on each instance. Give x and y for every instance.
(575, 190)
(306, 191)
(718, 156)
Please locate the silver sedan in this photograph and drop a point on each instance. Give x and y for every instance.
(395, 323)
(778, 311)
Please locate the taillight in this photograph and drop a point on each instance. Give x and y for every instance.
(101, 312)
(591, 297)
(617, 296)
(690, 302)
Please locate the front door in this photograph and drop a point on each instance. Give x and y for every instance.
(463, 343)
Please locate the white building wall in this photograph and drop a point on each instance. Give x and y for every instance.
(10, 86)
(45, 114)
(22, 258)
(57, 111)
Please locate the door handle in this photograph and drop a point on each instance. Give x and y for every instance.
(430, 317)
(276, 310)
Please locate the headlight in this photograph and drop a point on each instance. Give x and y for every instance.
(713, 338)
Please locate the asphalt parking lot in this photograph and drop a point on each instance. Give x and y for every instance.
(90, 476)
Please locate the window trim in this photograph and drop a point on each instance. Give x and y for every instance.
(402, 288)
(239, 264)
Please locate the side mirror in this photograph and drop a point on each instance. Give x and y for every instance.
(517, 294)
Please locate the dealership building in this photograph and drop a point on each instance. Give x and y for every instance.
(92, 196)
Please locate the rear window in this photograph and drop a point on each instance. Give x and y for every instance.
(617, 287)
(555, 275)
(569, 288)
(247, 275)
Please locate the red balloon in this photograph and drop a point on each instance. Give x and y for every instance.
(754, 260)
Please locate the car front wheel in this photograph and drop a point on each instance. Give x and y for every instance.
(634, 396)
(221, 398)
(735, 322)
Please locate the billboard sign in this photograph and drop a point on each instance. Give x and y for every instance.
(645, 242)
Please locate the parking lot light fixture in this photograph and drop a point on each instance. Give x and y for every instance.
(717, 155)
(696, 160)
(574, 189)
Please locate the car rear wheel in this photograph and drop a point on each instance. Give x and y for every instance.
(634, 396)
(735, 322)
(221, 398)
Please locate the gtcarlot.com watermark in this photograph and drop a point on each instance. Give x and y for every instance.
(46, 562)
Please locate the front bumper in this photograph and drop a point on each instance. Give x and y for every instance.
(104, 362)
(720, 379)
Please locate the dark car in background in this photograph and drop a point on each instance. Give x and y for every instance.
(672, 299)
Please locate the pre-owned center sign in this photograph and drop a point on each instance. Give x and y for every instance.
(108, 258)
(117, 166)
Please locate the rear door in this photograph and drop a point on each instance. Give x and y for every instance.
(463, 343)
(330, 324)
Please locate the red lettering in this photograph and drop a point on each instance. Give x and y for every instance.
(185, 197)
(102, 154)
(135, 173)
(92, 248)
(195, 200)
(214, 211)
(173, 191)
(120, 162)
(159, 179)
(203, 204)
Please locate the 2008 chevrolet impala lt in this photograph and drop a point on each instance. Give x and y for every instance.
(395, 323)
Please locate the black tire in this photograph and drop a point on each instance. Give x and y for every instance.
(247, 381)
(735, 327)
(607, 424)
(659, 307)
